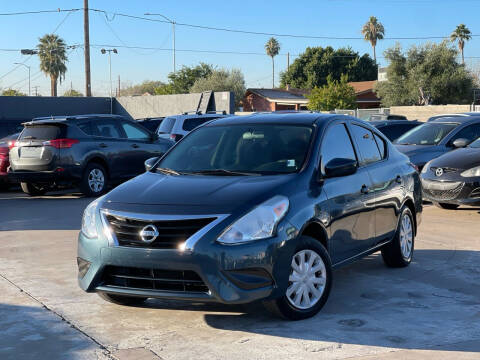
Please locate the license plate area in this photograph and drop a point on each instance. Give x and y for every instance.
(30, 152)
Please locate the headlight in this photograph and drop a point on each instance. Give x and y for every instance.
(260, 223)
(426, 167)
(473, 172)
(89, 222)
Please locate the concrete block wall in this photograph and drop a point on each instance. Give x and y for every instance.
(422, 113)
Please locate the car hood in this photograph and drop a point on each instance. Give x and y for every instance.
(420, 154)
(194, 193)
(461, 159)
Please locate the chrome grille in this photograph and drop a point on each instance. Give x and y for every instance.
(441, 190)
(153, 279)
(171, 233)
(475, 193)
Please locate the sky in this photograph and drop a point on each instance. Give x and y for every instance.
(321, 18)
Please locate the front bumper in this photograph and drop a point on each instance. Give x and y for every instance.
(458, 190)
(230, 274)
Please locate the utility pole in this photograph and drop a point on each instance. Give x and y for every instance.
(173, 33)
(36, 89)
(288, 61)
(86, 32)
(118, 85)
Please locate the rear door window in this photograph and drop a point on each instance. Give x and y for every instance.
(382, 147)
(367, 145)
(87, 127)
(166, 126)
(134, 133)
(108, 129)
(41, 132)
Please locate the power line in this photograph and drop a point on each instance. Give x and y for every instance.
(39, 12)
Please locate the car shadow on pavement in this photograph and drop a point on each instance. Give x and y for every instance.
(434, 302)
(28, 332)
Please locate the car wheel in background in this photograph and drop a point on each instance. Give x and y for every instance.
(94, 181)
(399, 252)
(446, 206)
(309, 282)
(122, 300)
(33, 189)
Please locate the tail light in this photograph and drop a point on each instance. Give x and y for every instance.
(61, 143)
(11, 144)
(175, 137)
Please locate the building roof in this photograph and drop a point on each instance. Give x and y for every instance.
(281, 95)
(363, 86)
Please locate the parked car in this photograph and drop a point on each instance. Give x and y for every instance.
(258, 207)
(434, 138)
(382, 117)
(91, 151)
(435, 117)
(453, 179)
(151, 124)
(176, 127)
(393, 129)
(5, 144)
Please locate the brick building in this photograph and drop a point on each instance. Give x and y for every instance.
(366, 97)
(274, 100)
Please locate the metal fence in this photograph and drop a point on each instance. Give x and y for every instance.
(363, 114)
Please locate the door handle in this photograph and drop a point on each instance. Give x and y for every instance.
(365, 189)
(135, 146)
(102, 145)
(398, 179)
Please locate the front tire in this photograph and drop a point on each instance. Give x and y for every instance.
(309, 282)
(447, 206)
(94, 181)
(33, 189)
(122, 300)
(399, 252)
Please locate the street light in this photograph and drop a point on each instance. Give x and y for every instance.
(173, 30)
(104, 51)
(28, 67)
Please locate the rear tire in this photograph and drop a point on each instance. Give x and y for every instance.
(122, 300)
(447, 206)
(399, 252)
(307, 290)
(94, 181)
(33, 189)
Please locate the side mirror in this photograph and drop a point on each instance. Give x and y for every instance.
(340, 167)
(150, 163)
(460, 143)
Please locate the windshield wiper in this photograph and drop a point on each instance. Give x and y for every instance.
(223, 172)
(168, 171)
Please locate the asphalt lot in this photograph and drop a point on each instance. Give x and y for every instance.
(429, 310)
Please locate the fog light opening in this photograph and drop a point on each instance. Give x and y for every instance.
(83, 266)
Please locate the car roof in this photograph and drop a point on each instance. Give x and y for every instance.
(303, 118)
(195, 116)
(457, 119)
(67, 118)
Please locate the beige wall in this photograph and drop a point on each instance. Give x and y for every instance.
(422, 113)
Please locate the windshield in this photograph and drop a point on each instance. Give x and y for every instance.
(426, 134)
(475, 144)
(245, 149)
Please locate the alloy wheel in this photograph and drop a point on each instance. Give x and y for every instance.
(307, 280)
(406, 236)
(96, 180)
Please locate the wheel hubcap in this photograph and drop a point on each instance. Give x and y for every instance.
(307, 280)
(406, 236)
(96, 180)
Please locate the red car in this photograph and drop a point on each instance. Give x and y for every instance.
(5, 144)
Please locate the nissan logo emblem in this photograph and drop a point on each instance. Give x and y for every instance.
(439, 172)
(149, 233)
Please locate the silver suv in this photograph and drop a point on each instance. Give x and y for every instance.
(177, 126)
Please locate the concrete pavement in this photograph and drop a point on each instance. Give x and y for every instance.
(429, 310)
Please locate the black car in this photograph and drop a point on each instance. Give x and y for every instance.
(151, 124)
(92, 151)
(393, 129)
(453, 179)
(382, 117)
(258, 207)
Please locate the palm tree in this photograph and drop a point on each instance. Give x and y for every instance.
(461, 34)
(52, 52)
(272, 47)
(372, 31)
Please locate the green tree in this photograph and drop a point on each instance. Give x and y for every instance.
(222, 80)
(461, 35)
(182, 80)
(334, 95)
(373, 31)
(312, 68)
(12, 92)
(72, 93)
(272, 48)
(146, 87)
(52, 52)
(426, 74)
